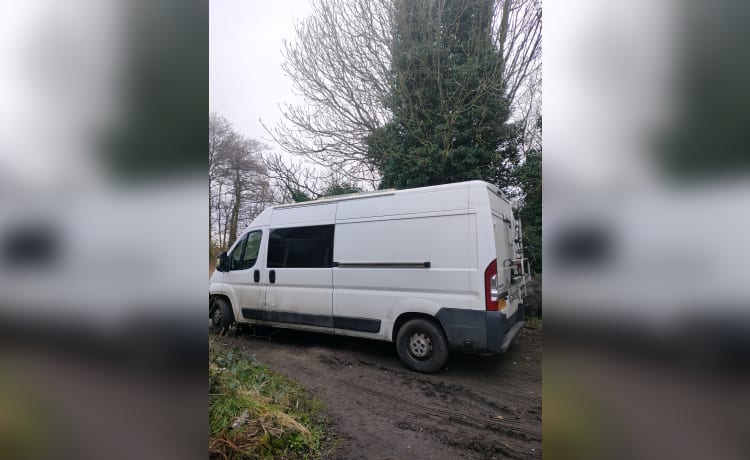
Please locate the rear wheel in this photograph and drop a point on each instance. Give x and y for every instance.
(422, 345)
(221, 316)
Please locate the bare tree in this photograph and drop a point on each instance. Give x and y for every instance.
(245, 177)
(290, 177)
(340, 63)
(219, 134)
(238, 186)
(519, 35)
(294, 180)
(528, 109)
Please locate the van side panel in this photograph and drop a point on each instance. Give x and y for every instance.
(406, 202)
(304, 214)
(300, 296)
(297, 296)
(476, 272)
(382, 271)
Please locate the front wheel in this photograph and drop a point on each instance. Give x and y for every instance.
(422, 345)
(221, 316)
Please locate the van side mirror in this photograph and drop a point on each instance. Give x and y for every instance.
(223, 262)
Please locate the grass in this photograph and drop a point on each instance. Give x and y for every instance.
(255, 413)
(534, 322)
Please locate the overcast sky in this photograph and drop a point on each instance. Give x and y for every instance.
(246, 80)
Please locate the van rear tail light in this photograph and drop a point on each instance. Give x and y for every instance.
(491, 296)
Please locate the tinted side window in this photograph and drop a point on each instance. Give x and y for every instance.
(301, 247)
(236, 255)
(251, 250)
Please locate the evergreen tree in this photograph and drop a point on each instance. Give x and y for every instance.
(528, 178)
(449, 112)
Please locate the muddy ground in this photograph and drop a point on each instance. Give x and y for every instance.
(479, 407)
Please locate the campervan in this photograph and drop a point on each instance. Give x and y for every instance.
(433, 270)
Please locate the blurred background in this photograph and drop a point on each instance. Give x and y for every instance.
(103, 218)
(645, 229)
(103, 115)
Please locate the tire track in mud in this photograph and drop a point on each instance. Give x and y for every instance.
(530, 400)
(474, 394)
(477, 408)
(525, 398)
(512, 428)
(477, 401)
(464, 399)
(473, 443)
(468, 407)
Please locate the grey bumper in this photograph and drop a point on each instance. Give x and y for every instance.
(479, 331)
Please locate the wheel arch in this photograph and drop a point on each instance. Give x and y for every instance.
(212, 298)
(407, 316)
(221, 290)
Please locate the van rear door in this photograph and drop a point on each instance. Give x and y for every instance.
(503, 232)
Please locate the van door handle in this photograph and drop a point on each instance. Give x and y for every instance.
(256, 276)
(272, 276)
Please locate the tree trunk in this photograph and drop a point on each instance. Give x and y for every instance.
(503, 35)
(235, 217)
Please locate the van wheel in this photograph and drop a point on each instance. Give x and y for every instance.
(222, 315)
(422, 345)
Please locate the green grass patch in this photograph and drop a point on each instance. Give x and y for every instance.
(534, 322)
(255, 413)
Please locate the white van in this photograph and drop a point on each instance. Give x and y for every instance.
(432, 269)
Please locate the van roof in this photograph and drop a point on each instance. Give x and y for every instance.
(376, 193)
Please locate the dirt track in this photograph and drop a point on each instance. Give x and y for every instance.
(478, 407)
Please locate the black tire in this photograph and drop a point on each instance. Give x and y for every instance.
(222, 315)
(422, 345)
